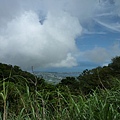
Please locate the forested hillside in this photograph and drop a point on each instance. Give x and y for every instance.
(93, 95)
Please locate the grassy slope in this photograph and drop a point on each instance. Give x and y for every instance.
(26, 97)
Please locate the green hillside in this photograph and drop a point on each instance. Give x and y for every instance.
(93, 95)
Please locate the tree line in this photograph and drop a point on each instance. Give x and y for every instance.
(20, 89)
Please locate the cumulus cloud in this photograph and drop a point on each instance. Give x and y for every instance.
(98, 54)
(101, 55)
(42, 33)
(26, 42)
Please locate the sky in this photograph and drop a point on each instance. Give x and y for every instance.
(59, 35)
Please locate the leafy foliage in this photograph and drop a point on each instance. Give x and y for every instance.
(94, 95)
(100, 77)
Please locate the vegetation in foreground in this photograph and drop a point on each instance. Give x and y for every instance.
(94, 95)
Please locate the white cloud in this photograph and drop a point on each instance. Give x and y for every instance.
(101, 55)
(27, 43)
(85, 31)
(70, 61)
(111, 26)
(115, 49)
(97, 55)
(82, 9)
(107, 14)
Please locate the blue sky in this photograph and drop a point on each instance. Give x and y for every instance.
(66, 35)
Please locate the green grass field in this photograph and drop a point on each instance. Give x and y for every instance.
(19, 102)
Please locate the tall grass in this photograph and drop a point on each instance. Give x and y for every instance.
(4, 98)
(58, 105)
